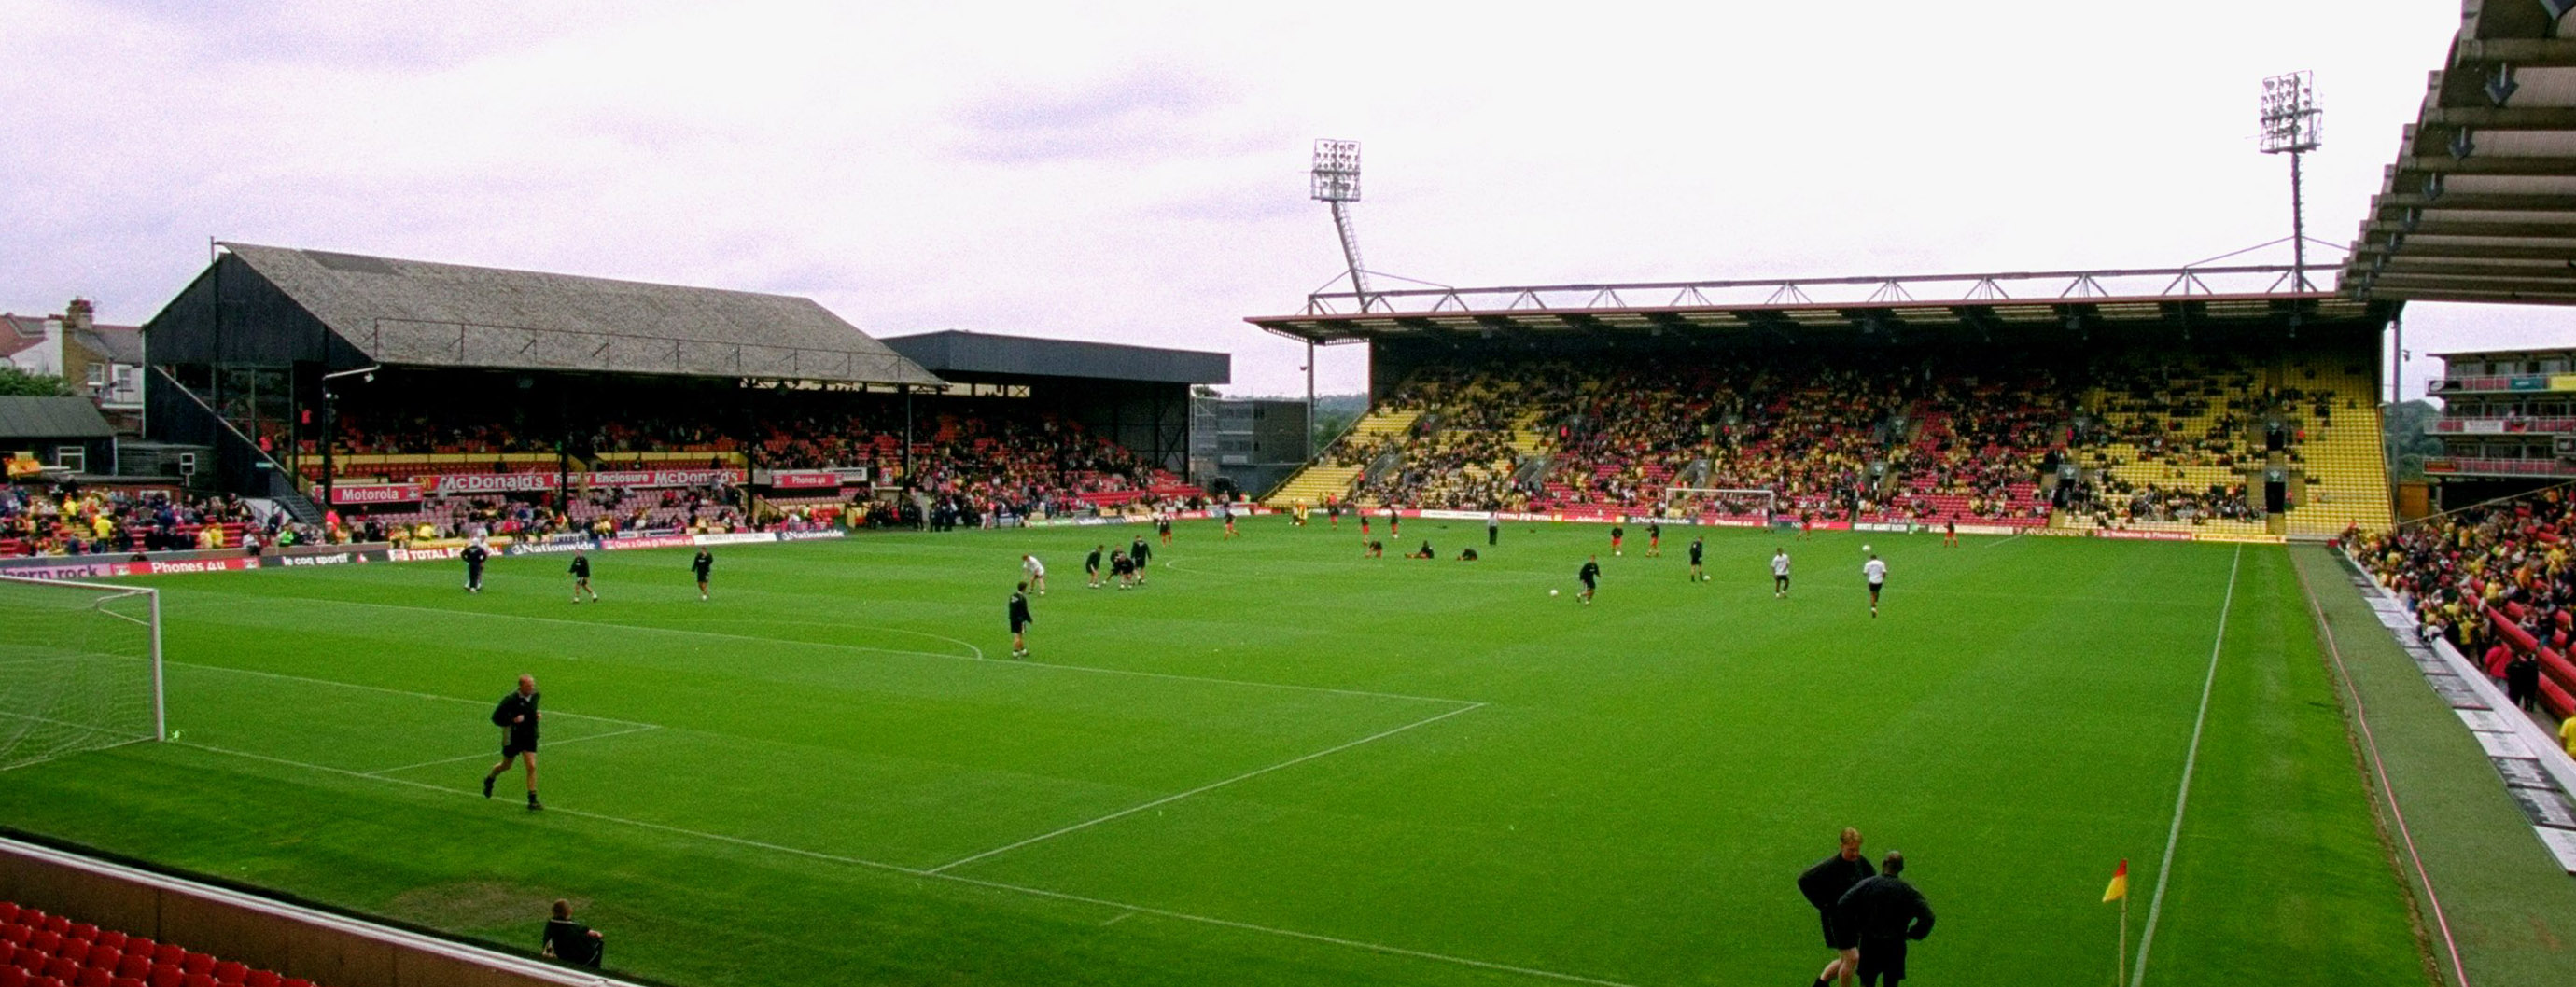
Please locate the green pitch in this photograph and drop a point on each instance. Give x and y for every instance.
(1280, 763)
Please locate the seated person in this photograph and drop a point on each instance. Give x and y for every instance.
(570, 941)
(1466, 555)
(1376, 549)
(1422, 553)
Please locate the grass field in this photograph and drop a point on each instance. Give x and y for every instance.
(1280, 763)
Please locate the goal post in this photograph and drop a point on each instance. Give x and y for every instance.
(1724, 501)
(82, 668)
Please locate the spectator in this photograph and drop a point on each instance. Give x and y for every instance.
(572, 942)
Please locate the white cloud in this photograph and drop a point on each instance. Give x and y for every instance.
(1136, 172)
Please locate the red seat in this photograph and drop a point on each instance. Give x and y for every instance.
(62, 968)
(125, 982)
(57, 924)
(196, 963)
(82, 931)
(8, 911)
(198, 980)
(167, 955)
(91, 976)
(11, 976)
(230, 972)
(47, 982)
(295, 982)
(15, 935)
(74, 950)
(112, 939)
(45, 942)
(260, 978)
(164, 976)
(136, 965)
(138, 944)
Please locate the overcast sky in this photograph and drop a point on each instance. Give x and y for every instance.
(1137, 173)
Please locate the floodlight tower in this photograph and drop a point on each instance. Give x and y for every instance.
(1337, 184)
(2293, 125)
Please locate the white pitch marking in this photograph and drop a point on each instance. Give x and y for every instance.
(397, 692)
(1122, 916)
(2191, 759)
(969, 881)
(549, 745)
(846, 647)
(1209, 787)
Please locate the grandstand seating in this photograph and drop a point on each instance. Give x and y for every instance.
(41, 950)
(2158, 440)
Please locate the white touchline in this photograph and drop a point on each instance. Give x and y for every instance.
(1209, 787)
(2190, 760)
(970, 881)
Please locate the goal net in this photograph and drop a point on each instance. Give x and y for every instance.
(80, 669)
(1722, 502)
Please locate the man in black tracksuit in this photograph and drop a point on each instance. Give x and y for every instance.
(1824, 885)
(1887, 913)
(581, 577)
(1091, 567)
(1020, 621)
(474, 555)
(517, 718)
(704, 565)
(1138, 555)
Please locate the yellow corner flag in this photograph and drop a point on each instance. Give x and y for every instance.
(2119, 889)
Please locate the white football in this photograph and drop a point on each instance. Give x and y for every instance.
(1864, 548)
(1551, 592)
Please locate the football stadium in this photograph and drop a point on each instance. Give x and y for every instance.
(388, 621)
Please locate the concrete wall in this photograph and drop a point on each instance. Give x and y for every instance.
(293, 940)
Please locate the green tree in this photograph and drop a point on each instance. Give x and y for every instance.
(2405, 429)
(19, 383)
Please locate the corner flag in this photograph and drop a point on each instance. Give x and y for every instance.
(2119, 889)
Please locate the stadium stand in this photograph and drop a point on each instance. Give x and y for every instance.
(2499, 572)
(2136, 438)
(43, 519)
(41, 950)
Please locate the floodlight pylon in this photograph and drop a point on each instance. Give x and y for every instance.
(2293, 124)
(1336, 183)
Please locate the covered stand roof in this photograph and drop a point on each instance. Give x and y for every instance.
(52, 418)
(416, 313)
(2207, 296)
(2480, 204)
(961, 352)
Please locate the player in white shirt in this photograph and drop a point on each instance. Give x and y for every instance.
(1036, 571)
(1780, 574)
(1876, 572)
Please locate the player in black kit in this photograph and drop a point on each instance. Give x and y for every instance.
(702, 565)
(1138, 555)
(1020, 621)
(1590, 574)
(581, 577)
(474, 555)
(517, 718)
(1091, 567)
(1698, 545)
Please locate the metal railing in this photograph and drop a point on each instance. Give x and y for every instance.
(2035, 287)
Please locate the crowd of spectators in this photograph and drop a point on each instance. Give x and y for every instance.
(2484, 576)
(52, 519)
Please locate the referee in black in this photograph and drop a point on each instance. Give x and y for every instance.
(1020, 621)
(517, 717)
(1887, 913)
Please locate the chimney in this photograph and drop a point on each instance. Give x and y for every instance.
(76, 316)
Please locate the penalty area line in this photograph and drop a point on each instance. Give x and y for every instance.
(1314, 937)
(1202, 789)
(2190, 760)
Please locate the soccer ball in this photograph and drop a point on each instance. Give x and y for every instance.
(1551, 592)
(1864, 548)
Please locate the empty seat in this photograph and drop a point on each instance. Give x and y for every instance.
(11, 976)
(57, 924)
(74, 950)
(125, 982)
(260, 978)
(8, 911)
(196, 963)
(82, 931)
(164, 976)
(198, 980)
(45, 942)
(62, 968)
(91, 976)
(111, 939)
(15, 935)
(168, 955)
(230, 972)
(135, 965)
(295, 982)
